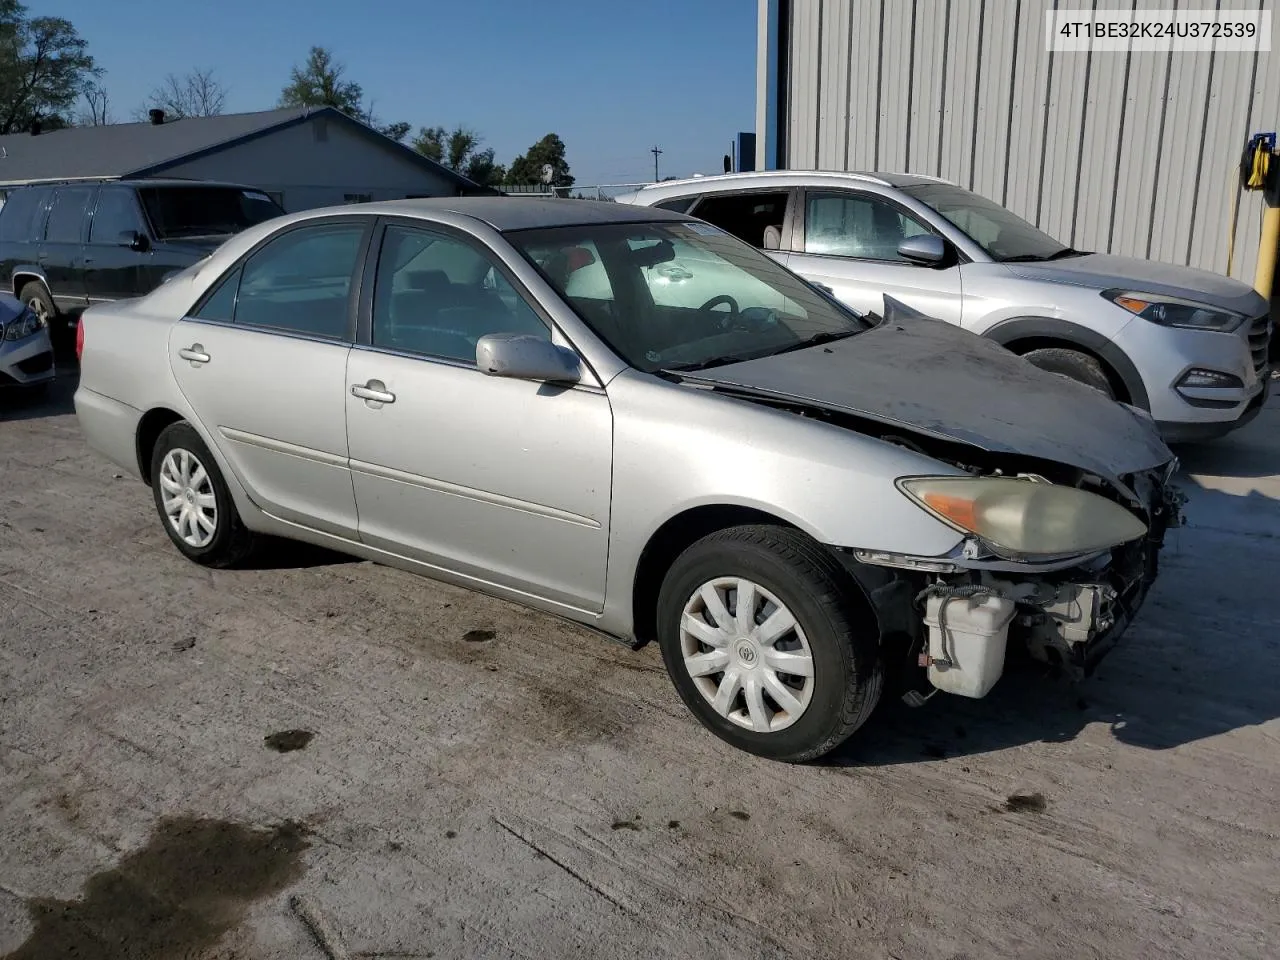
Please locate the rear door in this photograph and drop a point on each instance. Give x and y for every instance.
(113, 269)
(848, 240)
(262, 361)
(62, 248)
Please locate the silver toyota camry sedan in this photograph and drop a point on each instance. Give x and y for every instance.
(636, 421)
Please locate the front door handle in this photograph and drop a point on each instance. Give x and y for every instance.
(195, 353)
(375, 391)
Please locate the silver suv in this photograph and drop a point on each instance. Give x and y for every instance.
(1188, 346)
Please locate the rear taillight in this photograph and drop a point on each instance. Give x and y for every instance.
(79, 338)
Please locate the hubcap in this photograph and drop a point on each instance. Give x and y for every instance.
(747, 655)
(187, 496)
(38, 308)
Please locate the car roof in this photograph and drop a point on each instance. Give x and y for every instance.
(137, 182)
(784, 178)
(512, 213)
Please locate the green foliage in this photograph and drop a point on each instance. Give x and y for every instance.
(44, 68)
(396, 131)
(528, 167)
(459, 150)
(319, 83)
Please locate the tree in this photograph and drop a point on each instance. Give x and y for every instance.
(198, 94)
(319, 83)
(44, 68)
(396, 131)
(459, 150)
(97, 107)
(528, 167)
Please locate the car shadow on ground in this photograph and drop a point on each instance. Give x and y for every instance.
(278, 554)
(54, 400)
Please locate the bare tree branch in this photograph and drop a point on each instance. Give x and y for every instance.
(97, 107)
(197, 94)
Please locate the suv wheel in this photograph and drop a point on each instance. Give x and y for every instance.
(763, 645)
(194, 502)
(1074, 364)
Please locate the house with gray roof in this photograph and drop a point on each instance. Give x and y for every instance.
(304, 157)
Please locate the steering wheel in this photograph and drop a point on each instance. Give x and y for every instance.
(715, 302)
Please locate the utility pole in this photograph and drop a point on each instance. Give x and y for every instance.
(655, 151)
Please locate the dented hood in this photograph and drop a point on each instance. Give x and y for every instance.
(936, 379)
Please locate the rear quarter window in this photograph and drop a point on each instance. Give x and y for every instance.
(19, 217)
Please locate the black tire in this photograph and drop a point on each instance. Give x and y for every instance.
(848, 672)
(1074, 364)
(35, 296)
(232, 542)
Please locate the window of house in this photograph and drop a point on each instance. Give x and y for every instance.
(745, 215)
(856, 225)
(437, 296)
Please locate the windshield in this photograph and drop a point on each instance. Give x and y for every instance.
(198, 211)
(1003, 234)
(681, 296)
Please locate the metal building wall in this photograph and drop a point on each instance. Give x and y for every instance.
(1129, 153)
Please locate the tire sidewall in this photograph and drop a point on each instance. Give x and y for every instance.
(183, 436)
(1074, 365)
(833, 660)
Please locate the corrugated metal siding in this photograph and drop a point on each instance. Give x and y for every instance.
(1130, 153)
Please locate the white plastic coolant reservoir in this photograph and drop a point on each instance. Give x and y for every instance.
(970, 658)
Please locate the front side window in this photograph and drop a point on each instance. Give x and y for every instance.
(856, 225)
(177, 212)
(681, 296)
(437, 296)
(299, 282)
(116, 215)
(745, 215)
(66, 219)
(1000, 232)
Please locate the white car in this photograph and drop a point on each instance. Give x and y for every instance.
(1188, 346)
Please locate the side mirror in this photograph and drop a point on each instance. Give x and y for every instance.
(134, 240)
(926, 250)
(523, 357)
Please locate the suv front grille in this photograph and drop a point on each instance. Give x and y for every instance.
(1259, 338)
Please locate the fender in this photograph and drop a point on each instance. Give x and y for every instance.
(24, 272)
(1068, 333)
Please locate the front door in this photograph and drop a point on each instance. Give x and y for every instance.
(113, 268)
(503, 482)
(263, 363)
(849, 243)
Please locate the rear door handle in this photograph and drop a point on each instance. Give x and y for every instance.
(375, 391)
(195, 353)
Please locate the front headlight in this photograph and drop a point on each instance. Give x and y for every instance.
(1176, 312)
(1025, 517)
(24, 325)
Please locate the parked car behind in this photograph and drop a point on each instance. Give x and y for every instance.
(793, 500)
(66, 246)
(26, 355)
(1188, 346)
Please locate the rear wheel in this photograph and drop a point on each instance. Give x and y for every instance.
(764, 645)
(194, 502)
(1074, 364)
(35, 296)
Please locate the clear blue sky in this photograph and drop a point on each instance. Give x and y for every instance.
(611, 78)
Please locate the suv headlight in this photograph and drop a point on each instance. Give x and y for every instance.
(1025, 517)
(1176, 312)
(24, 325)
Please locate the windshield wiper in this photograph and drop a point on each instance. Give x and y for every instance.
(816, 339)
(1037, 258)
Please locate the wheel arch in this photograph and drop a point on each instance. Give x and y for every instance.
(1021, 335)
(680, 532)
(23, 275)
(150, 426)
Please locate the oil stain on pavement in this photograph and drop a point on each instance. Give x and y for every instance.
(190, 885)
(284, 741)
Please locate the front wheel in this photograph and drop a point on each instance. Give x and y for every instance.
(1074, 365)
(194, 502)
(765, 645)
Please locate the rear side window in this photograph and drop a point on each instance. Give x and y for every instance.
(745, 215)
(66, 217)
(20, 216)
(679, 205)
(301, 281)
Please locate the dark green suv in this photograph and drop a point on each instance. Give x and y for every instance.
(64, 246)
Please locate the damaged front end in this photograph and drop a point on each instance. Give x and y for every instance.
(948, 620)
